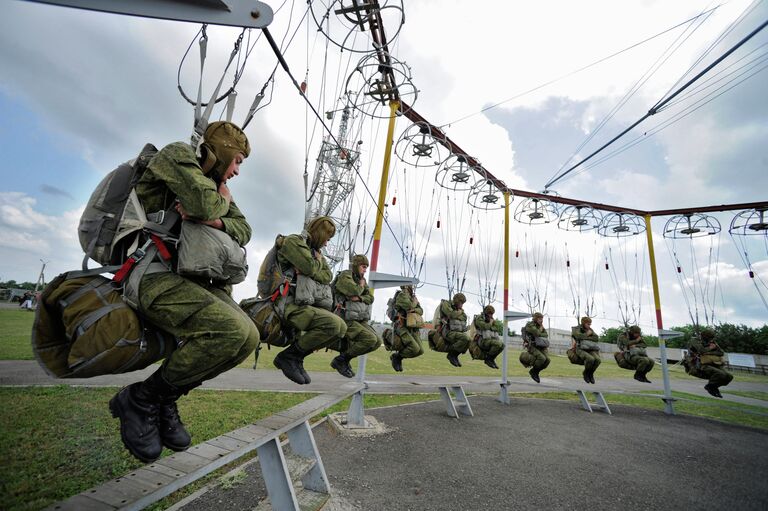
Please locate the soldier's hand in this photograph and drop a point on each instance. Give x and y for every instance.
(224, 192)
(318, 255)
(362, 282)
(355, 299)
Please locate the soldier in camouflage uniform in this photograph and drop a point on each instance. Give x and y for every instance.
(406, 342)
(214, 333)
(451, 335)
(711, 362)
(354, 299)
(586, 348)
(633, 346)
(486, 341)
(319, 327)
(535, 352)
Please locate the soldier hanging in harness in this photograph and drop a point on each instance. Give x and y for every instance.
(214, 334)
(451, 334)
(353, 304)
(632, 347)
(535, 344)
(309, 300)
(404, 338)
(585, 349)
(706, 361)
(486, 344)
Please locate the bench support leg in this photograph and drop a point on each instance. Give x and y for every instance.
(302, 443)
(276, 476)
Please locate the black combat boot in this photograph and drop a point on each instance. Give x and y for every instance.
(137, 407)
(638, 376)
(172, 431)
(585, 374)
(341, 364)
(491, 363)
(453, 358)
(397, 361)
(291, 362)
(535, 375)
(712, 389)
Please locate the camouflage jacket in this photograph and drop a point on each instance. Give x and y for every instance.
(531, 330)
(296, 253)
(580, 334)
(709, 349)
(347, 286)
(481, 323)
(174, 174)
(448, 312)
(625, 343)
(405, 303)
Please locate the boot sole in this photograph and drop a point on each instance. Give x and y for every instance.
(340, 370)
(116, 410)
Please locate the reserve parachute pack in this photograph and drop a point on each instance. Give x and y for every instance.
(83, 328)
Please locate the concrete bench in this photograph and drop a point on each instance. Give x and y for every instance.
(144, 486)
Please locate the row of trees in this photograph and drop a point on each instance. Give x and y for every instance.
(12, 284)
(730, 337)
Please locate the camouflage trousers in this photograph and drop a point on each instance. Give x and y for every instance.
(641, 363)
(535, 358)
(215, 334)
(591, 359)
(717, 375)
(485, 349)
(319, 328)
(360, 339)
(451, 342)
(407, 342)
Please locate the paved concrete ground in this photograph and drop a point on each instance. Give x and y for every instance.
(533, 454)
(28, 372)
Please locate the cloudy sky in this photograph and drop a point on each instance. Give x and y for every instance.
(82, 91)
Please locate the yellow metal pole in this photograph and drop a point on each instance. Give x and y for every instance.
(503, 395)
(669, 409)
(394, 105)
(355, 414)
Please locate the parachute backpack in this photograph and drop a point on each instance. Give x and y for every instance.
(114, 217)
(83, 326)
(391, 309)
(264, 310)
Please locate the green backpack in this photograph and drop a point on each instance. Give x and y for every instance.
(83, 328)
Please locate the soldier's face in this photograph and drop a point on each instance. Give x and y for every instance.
(538, 320)
(234, 167)
(361, 269)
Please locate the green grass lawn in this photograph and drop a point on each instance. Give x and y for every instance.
(17, 325)
(15, 329)
(434, 363)
(58, 441)
(754, 394)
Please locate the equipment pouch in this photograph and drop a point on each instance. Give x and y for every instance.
(713, 360)
(457, 325)
(490, 334)
(210, 253)
(637, 351)
(267, 316)
(311, 292)
(414, 320)
(588, 345)
(357, 311)
(541, 343)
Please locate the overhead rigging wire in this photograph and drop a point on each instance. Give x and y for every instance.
(660, 104)
(642, 80)
(285, 67)
(583, 68)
